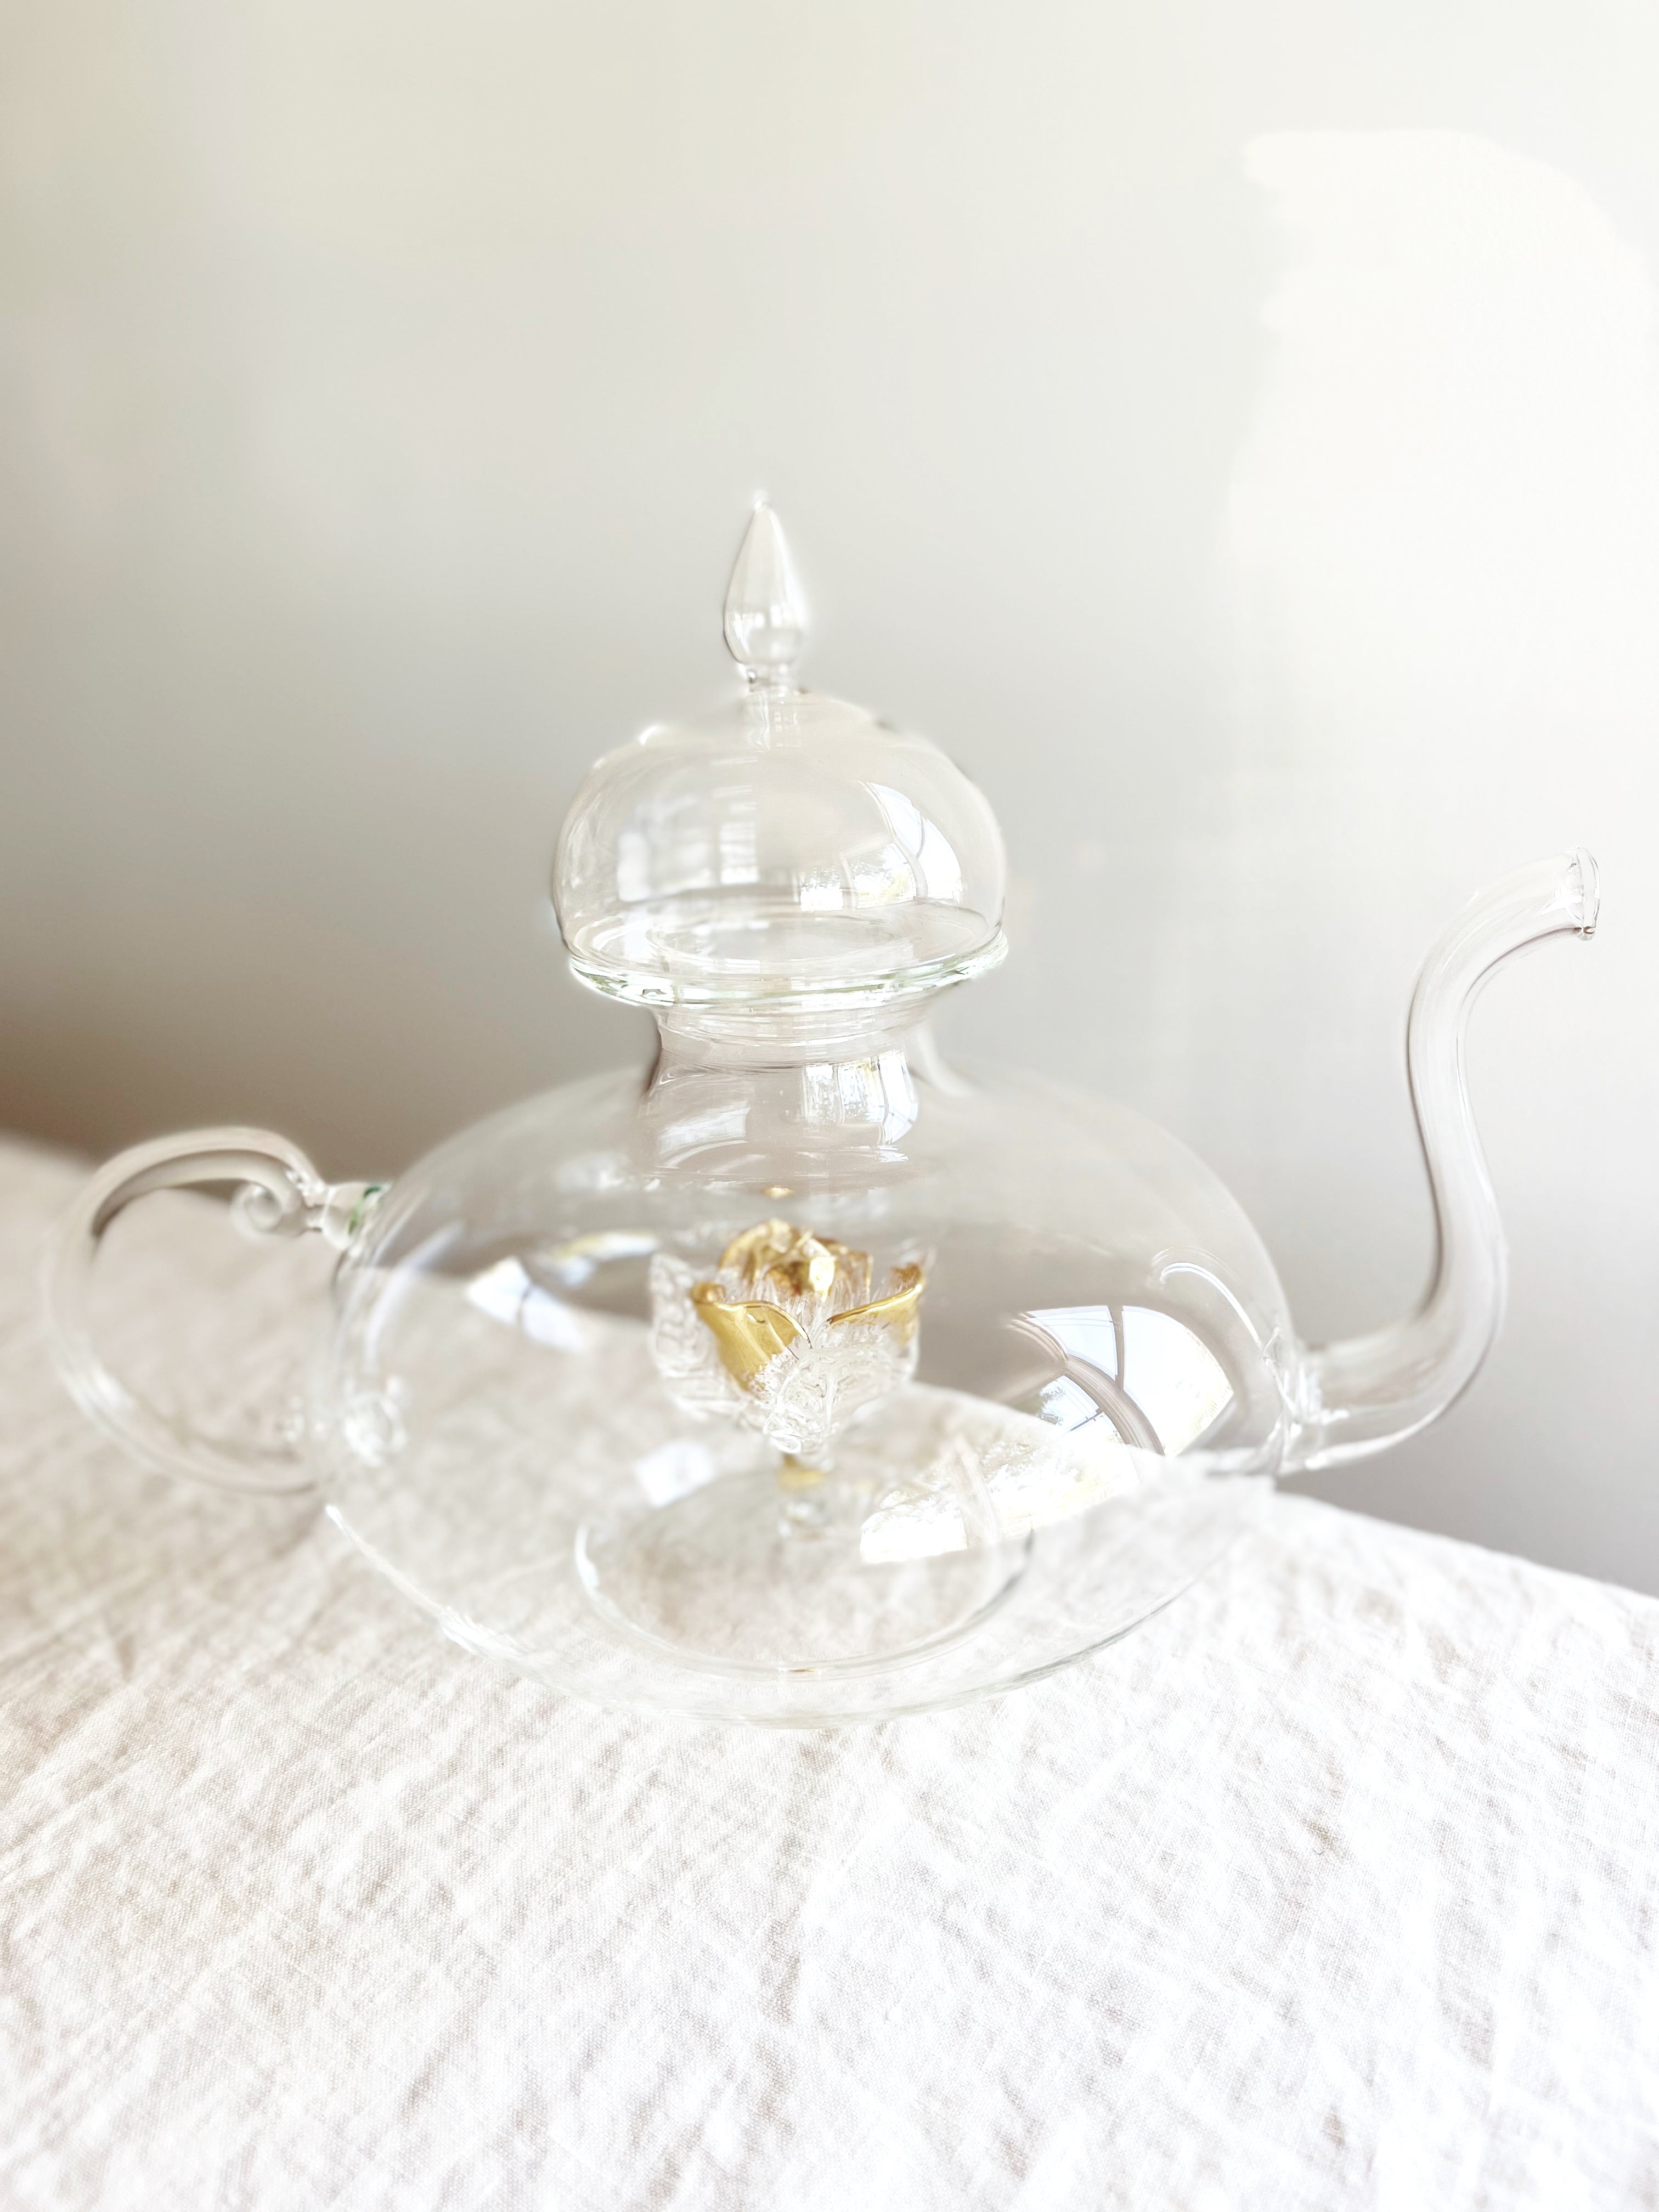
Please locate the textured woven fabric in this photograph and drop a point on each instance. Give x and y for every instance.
(1335, 1886)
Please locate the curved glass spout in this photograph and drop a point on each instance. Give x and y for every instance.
(1368, 1392)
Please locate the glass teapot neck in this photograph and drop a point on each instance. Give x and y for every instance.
(816, 1101)
(739, 1036)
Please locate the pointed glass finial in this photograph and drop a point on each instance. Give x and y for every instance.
(765, 621)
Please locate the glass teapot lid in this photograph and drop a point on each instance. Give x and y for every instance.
(788, 847)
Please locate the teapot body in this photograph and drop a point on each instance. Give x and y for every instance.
(1100, 1378)
(1081, 1264)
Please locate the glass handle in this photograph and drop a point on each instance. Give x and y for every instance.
(280, 1194)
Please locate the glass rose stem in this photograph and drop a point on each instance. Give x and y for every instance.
(802, 1495)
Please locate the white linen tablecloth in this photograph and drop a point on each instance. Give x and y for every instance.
(1334, 1886)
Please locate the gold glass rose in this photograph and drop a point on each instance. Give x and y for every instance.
(787, 1336)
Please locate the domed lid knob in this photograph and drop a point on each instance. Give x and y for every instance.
(787, 848)
(765, 621)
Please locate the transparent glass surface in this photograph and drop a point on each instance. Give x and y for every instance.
(527, 1419)
(787, 846)
(800, 1380)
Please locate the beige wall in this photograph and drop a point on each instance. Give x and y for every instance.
(1232, 429)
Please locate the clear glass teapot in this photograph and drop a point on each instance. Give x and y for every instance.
(800, 1380)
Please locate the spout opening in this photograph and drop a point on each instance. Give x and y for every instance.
(1584, 891)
